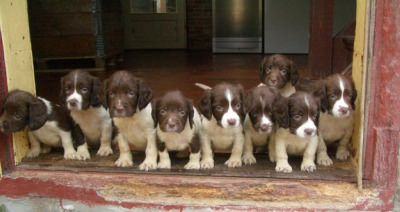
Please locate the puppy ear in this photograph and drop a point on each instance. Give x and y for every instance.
(62, 93)
(96, 87)
(294, 75)
(205, 104)
(242, 101)
(189, 105)
(248, 101)
(353, 94)
(102, 94)
(321, 96)
(281, 111)
(37, 114)
(261, 72)
(145, 94)
(154, 112)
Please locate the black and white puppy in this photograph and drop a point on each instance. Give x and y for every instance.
(297, 133)
(336, 119)
(128, 99)
(259, 121)
(48, 125)
(177, 125)
(279, 73)
(223, 111)
(80, 95)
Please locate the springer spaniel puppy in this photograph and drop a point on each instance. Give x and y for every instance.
(80, 95)
(259, 122)
(222, 108)
(128, 99)
(297, 133)
(279, 73)
(336, 118)
(48, 125)
(177, 125)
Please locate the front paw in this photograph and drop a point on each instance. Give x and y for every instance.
(70, 155)
(234, 162)
(207, 164)
(342, 154)
(104, 151)
(148, 165)
(82, 154)
(283, 166)
(324, 160)
(308, 166)
(249, 159)
(164, 165)
(124, 162)
(33, 153)
(192, 165)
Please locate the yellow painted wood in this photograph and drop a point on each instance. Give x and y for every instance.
(14, 27)
(359, 80)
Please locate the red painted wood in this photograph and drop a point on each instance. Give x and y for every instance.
(6, 147)
(320, 44)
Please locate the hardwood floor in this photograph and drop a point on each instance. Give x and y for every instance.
(170, 70)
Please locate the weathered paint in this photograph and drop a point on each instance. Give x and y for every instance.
(18, 56)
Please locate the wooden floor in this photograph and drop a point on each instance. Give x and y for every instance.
(169, 70)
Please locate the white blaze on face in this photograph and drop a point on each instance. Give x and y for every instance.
(308, 125)
(266, 121)
(75, 96)
(340, 103)
(230, 114)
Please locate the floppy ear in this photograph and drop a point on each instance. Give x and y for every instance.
(321, 96)
(102, 94)
(261, 72)
(189, 105)
(353, 94)
(62, 92)
(248, 101)
(294, 75)
(281, 111)
(154, 113)
(145, 94)
(242, 100)
(205, 104)
(37, 114)
(96, 87)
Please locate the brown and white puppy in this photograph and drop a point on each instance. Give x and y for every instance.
(297, 133)
(128, 99)
(177, 125)
(336, 118)
(279, 73)
(80, 95)
(48, 125)
(259, 122)
(223, 111)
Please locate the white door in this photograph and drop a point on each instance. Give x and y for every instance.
(154, 24)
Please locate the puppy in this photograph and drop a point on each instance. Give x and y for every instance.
(128, 99)
(48, 125)
(336, 119)
(279, 73)
(177, 125)
(223, 111)
(80, 95)
(259, 122)
(297, 117)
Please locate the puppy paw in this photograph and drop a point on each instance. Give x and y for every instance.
(70, 155)
(82, 154)
(192, 165)
(308, 166)
(33, 153)
(324, 160)
(249, 159)
(124, 162)
(164, 165)
(342, 154)
(45, 149)
(234, 162)
(272, 158)
(148, 165)
(207, 164)
(283, 166)
(104, 151)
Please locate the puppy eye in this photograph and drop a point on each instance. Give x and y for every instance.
(238, 105)
(163, 112)
(219, 108)
(297, 117)
(253, 114)
(84, 90)
(268, 70)
(332, 96)
(182, 113)
(131, 94)
(17, 116)
(283, 72)
(111, 94)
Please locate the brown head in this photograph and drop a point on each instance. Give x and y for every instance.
(277, 70)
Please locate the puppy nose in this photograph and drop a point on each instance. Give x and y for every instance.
(308, 131)
(265, 127)
(273, 81)
(343, 110)
(119, 108)
(232, 122)
(73, 102)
